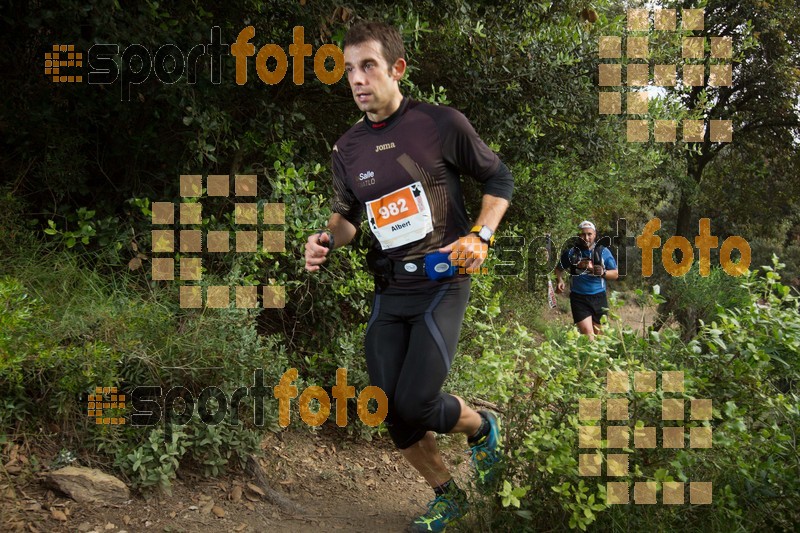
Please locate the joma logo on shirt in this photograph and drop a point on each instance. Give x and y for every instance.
(382, 147)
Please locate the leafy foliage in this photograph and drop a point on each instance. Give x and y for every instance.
(745, 361)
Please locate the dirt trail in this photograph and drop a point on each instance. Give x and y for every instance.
(340, 483)
(630, 314)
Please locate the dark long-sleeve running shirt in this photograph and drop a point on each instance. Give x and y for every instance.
(381, 167)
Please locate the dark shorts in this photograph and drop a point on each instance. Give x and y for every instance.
(583, 305)
(410, 343)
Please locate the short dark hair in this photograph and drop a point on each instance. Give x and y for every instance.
(386, 35)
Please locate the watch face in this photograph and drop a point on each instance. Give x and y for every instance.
(485, 233)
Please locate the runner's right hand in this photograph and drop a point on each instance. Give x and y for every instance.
(316, 253)
(560, 286)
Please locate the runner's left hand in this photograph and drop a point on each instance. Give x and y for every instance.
(467, 253)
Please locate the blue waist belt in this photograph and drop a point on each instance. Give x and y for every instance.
(435, 266)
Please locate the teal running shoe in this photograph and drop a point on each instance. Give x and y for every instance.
(486, 454)
(442, 511)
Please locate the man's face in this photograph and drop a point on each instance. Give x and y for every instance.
(373, 82)
(587, 235)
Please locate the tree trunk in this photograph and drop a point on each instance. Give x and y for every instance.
(695, 163)
(684, 220)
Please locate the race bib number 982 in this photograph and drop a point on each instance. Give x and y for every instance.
(400, 217)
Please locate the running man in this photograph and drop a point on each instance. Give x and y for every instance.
(590, 265)
(400, 166)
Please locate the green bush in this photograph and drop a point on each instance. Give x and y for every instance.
(693, 299)
(65, 329)
(746, 362)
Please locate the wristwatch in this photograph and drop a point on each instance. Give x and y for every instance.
(484, 233)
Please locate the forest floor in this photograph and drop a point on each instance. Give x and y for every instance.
(330, 482)
(336, 482)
